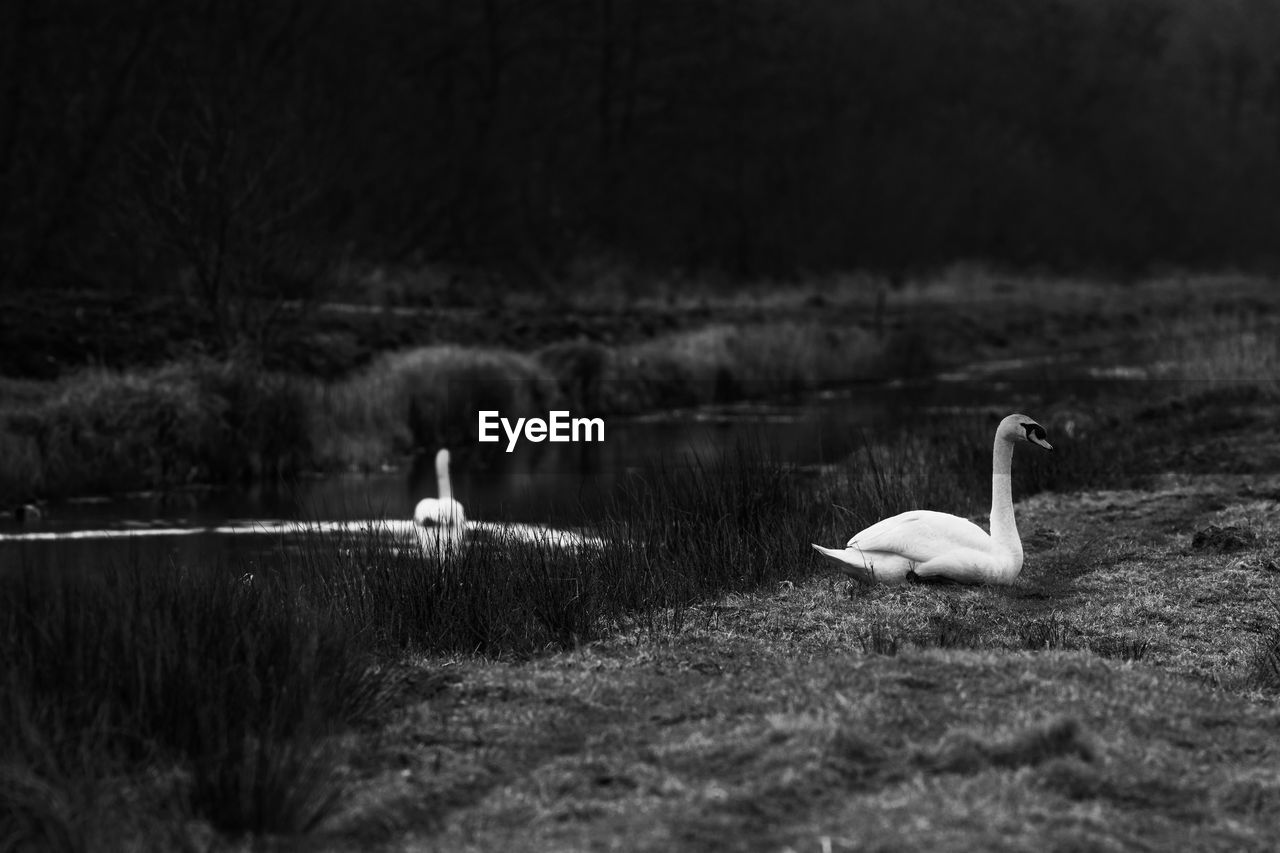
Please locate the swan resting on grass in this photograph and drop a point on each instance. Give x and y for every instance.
(926, 544)
(443, 516)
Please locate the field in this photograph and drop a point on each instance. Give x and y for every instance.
(1121, 696)
(705, 683)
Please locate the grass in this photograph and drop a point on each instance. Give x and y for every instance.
(1108, 700)
(697, 684)
(429, 396)
(216, 694)
(739, 740)
(701, 683)
(721, 362)
(806, 716)
(356, 389)
(1233, 346)
(109, 432)
(424, 398)
(222, 696)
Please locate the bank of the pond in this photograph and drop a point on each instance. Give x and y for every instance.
(515, 698)
(207, 421)
(200, 420)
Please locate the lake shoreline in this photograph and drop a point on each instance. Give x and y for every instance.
(1123, 687)
(206, 422)
(703, 680)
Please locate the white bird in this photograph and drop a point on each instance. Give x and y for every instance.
(930, 544)
(436, 522)
(442, 514)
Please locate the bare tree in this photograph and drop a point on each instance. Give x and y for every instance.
(41, 196)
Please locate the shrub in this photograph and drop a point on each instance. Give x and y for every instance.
(115, 431)
(722, 363)
(265, 426)
(424, 398)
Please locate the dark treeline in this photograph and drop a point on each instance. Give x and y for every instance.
(238, 144)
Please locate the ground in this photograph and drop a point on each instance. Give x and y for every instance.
(1115, 697)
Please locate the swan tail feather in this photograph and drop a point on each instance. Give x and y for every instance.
(852, 562)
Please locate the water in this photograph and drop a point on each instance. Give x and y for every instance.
(565, 485)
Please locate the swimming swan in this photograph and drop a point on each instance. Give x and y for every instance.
(930, 544)
(444, 511)
(437, 523)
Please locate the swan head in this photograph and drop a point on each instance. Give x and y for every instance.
(1023, 428)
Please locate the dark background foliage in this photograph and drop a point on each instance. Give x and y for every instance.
(246, 146)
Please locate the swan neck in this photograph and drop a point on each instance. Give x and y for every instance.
(1004, 530)
(444, 489)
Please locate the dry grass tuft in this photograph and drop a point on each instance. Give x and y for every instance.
(965, 752)
(1223, 540)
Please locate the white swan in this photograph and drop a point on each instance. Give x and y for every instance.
(437, 522)
(935, 544)
(444, 511)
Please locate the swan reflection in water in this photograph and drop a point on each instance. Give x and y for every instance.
(405, 531)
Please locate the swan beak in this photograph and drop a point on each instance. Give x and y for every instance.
(1046, 445)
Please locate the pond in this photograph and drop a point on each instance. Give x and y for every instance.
(564, 485)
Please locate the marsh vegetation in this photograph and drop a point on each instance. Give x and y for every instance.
(219, 420)
(699, 682)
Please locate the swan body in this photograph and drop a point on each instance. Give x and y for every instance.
(928, 544)
(442, 515)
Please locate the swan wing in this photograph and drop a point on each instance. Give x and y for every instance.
(968, 565)
(434, 512)
(921, 535)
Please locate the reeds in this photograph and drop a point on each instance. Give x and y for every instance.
(218, 694)
(214, 694)
(226, 686)
(425, 397)
(105, 431)
(945, 464)
(721, 363)
(1228, 348)
(115, 431)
